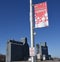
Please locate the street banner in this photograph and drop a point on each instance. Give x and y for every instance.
(41, 15)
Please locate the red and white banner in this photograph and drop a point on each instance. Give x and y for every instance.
(41, 15)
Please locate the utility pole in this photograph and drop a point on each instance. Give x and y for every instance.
(31, 29)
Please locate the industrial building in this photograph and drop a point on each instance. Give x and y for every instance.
(42, 51)
(17, 51)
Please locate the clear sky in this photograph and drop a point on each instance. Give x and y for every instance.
(14, 24)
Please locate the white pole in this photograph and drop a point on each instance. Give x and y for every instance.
(31, 28)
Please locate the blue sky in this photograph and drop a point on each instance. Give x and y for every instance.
(14, 24)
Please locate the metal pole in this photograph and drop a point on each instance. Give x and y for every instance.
(31, 28)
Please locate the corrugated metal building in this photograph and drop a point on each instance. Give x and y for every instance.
(17, 51)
